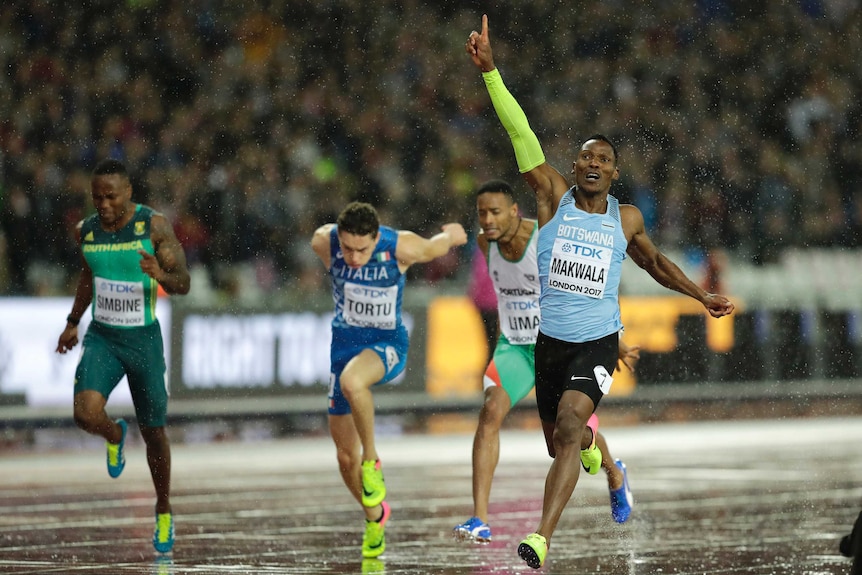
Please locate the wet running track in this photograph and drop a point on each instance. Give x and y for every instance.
(735, 497)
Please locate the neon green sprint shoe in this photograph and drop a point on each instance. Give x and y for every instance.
(533, 550)
(374, 540)
(163, 535)
(116, 457)
(591, 457)
(373, 488)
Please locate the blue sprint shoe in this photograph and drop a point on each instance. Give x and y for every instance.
(473, 529)
(163, 534)
(116, 457)
(621, 498)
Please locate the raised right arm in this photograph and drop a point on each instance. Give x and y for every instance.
(548, 184)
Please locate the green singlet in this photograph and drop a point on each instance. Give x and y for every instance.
(123, 295)
(124, 337)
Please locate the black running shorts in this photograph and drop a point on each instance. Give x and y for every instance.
(561, 366)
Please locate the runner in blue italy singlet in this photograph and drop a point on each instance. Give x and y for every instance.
(366, 263)
(367, 312)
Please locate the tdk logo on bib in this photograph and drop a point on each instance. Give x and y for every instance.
(374, 293)
(583, 251)
(118, 287)
(522, 305)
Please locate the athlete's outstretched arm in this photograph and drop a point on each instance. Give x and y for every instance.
(548, 184)
(414, 249)
(646, 255)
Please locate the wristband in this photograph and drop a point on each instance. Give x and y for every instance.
(73, 320)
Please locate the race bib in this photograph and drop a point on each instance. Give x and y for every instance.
(579, 268)
(369, 306)
(519, 319)
(119, 303)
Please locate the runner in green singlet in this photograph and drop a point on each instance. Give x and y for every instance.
(128, 251)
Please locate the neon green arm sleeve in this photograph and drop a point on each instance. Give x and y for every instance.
(528, 151)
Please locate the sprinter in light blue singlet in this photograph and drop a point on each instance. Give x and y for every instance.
(580, 269)
(366, 265)
(509, 242)
(581, 254)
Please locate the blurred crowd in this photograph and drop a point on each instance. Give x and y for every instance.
(249, 124)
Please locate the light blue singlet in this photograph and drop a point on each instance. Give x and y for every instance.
(580, 260)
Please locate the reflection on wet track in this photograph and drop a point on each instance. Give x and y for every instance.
(746, 497)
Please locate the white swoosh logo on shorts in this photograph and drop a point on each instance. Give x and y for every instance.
(568, 218)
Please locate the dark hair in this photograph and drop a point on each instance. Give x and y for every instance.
(110, 166)
(603, 138)
(497, 187)
(359, 218)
